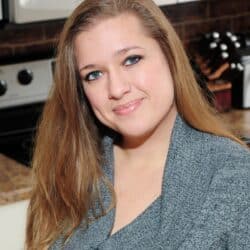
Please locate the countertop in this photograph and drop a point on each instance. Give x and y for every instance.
(15, 179)
(239, 121)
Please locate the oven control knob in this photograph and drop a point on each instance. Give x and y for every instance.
(3, 87)
(25, 76)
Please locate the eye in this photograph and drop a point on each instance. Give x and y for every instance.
(132, 60)
(94, 75)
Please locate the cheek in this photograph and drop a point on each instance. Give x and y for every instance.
(145, 79)
(156, 78)
(94, 98)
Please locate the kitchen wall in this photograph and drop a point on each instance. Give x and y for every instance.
(190, 20)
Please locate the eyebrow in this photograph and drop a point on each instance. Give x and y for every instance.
(118, 52)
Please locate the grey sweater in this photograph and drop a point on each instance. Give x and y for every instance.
(204, 204)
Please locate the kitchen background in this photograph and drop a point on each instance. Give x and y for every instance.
(38, 40)
(190, 19)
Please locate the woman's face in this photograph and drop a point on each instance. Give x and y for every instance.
(125, 76)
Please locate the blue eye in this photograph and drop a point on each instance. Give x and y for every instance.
(93, 76)
(132, 60)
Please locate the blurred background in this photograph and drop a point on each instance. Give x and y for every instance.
(215, 34)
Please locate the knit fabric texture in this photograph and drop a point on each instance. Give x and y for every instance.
(204, 203)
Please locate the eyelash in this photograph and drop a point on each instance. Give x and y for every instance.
(87, 77)
(134, 58)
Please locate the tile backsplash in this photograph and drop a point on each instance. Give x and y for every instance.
(190, 20)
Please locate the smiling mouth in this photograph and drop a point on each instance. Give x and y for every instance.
(128, 108)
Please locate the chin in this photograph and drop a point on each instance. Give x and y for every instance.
(136, 133)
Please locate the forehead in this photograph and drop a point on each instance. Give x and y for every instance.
(111, 33)
(124, 19)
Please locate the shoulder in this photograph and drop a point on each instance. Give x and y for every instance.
(208, 160)
(224, 212)
(220, 149)
(230, 161)
(228, 193)
(228, 164)
(215, 150)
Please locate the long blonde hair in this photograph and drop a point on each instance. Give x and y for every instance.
(67, 159)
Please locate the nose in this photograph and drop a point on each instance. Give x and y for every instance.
(118, 85)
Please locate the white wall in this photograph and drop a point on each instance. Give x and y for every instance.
(12, 225)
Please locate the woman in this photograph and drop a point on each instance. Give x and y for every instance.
(129, 154)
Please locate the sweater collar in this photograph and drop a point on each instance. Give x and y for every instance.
(183, 190)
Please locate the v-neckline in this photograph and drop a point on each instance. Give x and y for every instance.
(136, 219)
(111, 175)
(183, 191)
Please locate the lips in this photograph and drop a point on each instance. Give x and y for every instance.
(128, 107)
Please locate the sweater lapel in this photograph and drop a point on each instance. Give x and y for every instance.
(184, 183)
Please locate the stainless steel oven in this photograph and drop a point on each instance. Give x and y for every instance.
(24, 89)
(23, 11)
(1, 10)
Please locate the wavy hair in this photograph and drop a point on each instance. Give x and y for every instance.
(68, 157)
